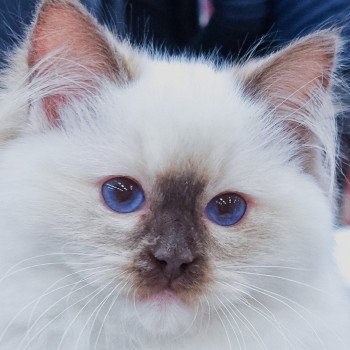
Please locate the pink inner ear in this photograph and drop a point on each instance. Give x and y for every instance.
(51, 106)
(65, 30)
(294, 75)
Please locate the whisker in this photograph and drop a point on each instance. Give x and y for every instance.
(123, 322)
(107, 313)
(42, 265)
(44, 256)
(36, 301)
(285, 279)
(255, 333)
(99, 269)
(234, 320)
(209, 310)
(134, 305)
(89, 318)
(225, 329)
(201, 328)
(190, 326)
(277, 298)
(57, 316)
(262, 267)
(270, 317)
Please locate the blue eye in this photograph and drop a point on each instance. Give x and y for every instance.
(226, 209)
(123, 195)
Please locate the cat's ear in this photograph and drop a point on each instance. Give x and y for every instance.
(290, 78)
(296, 85)
(69, 47)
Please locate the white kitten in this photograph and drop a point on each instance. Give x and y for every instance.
(166, 203)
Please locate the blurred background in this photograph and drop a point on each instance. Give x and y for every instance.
(228, 28)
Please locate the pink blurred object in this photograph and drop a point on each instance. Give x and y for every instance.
(206, 10)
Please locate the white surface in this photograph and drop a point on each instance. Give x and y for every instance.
(343, 252)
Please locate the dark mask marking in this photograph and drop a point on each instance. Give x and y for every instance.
(175, 255)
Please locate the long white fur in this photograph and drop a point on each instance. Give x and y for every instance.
(61, 285)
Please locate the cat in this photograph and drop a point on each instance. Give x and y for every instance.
(157, 202)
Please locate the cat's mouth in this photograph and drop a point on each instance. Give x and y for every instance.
(161, 291)
(164, 297)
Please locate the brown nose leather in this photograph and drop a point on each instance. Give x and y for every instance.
(173, 263)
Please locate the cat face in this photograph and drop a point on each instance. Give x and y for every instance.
(218, 163)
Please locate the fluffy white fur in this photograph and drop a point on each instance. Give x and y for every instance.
(275, 285)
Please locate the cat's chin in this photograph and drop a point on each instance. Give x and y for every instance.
(164, 314)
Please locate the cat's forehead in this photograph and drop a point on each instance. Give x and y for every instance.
(184, 91)
(180, 110)
(179, 118)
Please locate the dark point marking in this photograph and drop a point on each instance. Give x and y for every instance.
(175, 255)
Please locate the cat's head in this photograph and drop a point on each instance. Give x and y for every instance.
(172, 176)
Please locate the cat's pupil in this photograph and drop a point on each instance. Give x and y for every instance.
(225, 205)
(123, 191)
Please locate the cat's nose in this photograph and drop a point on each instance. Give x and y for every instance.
(173, 263)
